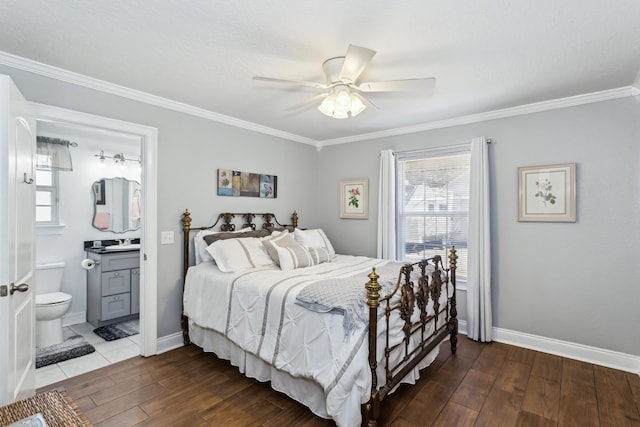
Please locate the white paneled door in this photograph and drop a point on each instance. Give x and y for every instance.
(17, 236)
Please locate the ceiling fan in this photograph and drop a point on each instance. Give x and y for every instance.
(343, 97)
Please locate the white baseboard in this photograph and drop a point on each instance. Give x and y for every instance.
(169, 342)
(585, 353)
(74, 318)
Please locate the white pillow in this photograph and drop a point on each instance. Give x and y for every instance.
(200, 246)
(316, 239)
(239, 254)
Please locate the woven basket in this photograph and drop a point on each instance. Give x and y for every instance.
(56, 407)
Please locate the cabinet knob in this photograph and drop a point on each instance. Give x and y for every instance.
(116, 273)
(116, 298)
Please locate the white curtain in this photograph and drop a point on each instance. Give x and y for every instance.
(479, 319)
(387, 206)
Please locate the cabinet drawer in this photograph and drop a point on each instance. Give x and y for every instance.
(116, 306)
(112, 262)
(116, 282)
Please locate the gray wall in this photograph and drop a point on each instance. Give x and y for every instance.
(190, 150)
(577, 282)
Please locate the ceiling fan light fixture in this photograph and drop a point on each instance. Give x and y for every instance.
(357, 106)
(343, 101)
(341, 104)
(327, 105)
(340, 115)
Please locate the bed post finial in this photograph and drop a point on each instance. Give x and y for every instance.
(294, 220)
(186, 220)
(453, 258)
(373, 289)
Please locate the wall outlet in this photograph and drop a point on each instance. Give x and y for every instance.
(166, 238)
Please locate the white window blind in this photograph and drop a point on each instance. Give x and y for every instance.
(433, 204)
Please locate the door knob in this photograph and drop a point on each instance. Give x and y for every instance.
(22, 287)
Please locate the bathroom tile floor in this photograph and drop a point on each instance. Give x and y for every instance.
(107, 352)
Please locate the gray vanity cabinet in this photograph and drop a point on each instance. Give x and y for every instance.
(113, 287)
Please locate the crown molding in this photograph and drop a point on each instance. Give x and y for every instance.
(56, 73)
(50, 71)
(536, 107)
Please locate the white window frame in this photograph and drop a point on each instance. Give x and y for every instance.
(401, 157)
(53, 189)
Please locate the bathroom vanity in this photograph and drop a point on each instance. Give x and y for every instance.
(113, 286)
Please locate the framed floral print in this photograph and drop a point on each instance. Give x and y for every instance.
(547, 193)
(354, 198)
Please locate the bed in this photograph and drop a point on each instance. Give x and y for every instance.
(335, 332)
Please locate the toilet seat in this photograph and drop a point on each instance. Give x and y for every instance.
(52, 298)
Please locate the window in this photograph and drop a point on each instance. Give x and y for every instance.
(46, 192)
(425, 180)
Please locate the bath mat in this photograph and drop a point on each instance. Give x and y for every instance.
(119, 330)
(71, 348)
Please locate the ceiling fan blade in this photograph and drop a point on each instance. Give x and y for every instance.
(308, 102)
(414, 85)
(365, 100)
(291, 82)
(355, 61)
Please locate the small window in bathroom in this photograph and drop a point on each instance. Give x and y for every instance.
(46, 192)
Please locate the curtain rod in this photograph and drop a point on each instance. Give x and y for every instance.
(41, 138)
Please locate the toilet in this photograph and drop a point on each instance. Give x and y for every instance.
(51, 304)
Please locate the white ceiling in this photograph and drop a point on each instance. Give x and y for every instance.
(486, 55)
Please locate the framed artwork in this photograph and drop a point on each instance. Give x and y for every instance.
(268, 186)
(247, 184)
(98, 192)
(547, 193)
(354, 199)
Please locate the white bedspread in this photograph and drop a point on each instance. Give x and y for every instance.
(255, 309)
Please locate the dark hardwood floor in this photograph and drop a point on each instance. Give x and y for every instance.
(482, 385)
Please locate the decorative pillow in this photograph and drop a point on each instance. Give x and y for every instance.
(316, 239)
(200, 246)
(280, 238)
(239, 254)
(210, 238)
(319, 255)
(292, 257)
(290, 254)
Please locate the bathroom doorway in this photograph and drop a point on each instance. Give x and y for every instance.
(104, 148)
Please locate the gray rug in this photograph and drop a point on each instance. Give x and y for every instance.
(71, 348)
(119, 330)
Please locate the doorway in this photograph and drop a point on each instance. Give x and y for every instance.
(136, 142)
